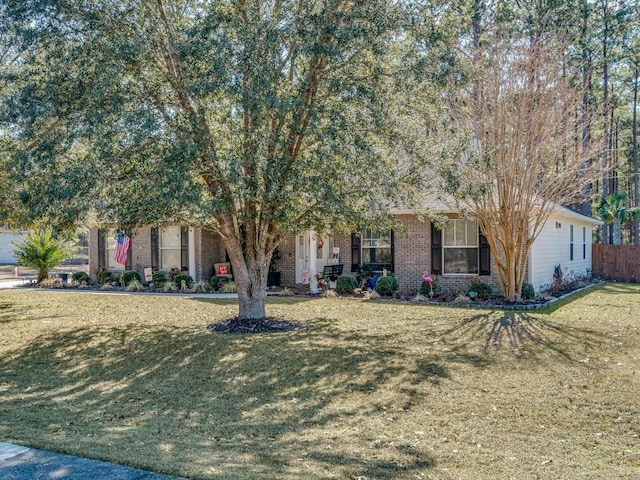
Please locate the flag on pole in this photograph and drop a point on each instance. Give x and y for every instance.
(122, 248)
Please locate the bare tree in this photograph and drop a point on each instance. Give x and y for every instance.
(525, 158)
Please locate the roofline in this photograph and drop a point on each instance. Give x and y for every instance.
(558, 210)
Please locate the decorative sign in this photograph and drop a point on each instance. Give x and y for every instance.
(148, 274)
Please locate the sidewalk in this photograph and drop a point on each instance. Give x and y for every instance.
(23, 463)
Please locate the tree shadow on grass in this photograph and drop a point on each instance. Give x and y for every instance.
(520, 331)
(10, 312)
(194, 404)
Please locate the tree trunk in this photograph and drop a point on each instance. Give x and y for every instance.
(634, 127)
(586, 115)
(616, 237)
(605, 112)
(252, 298)
(250, 258)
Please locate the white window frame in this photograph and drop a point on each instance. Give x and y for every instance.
(370, 240)
(170, 248)
(110, 252)
(571, 243)
(458, 244)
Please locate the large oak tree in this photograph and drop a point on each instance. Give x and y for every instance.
(252, 118)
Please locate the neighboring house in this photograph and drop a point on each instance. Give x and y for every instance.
(455, 255)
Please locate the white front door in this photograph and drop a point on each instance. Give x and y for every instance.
(304, 243)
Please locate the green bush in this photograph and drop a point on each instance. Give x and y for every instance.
(201, 287)
(218, 281)
(528, 292)
(169, 286)
(346, 284)
(107, 277)
(41, 251)
(425, 289)
(482, 289)
(129, 276)
(159, 279)
(174, 272)
(386, 286)
(135, 285)
(177, 280)
(230, 287)
(80, 277)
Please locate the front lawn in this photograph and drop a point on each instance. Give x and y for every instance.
(371, 390)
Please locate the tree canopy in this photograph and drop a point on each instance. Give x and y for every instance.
(252, 118)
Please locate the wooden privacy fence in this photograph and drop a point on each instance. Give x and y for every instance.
(617, 262)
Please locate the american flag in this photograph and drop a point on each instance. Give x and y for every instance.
(122, 248)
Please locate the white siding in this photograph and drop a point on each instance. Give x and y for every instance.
(552, 247)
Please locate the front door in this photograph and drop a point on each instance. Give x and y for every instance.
(305, 242)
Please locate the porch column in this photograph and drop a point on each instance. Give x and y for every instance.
(192, 254)
(313, 261)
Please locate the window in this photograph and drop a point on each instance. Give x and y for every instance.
(570, 242)
(170, 248)
(107, 250)
(584, 243)
(459, 248)
(372, 249)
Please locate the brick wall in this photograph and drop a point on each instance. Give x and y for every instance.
(141, 250)
(286, 264)
(208, 252)
(412, 257)
(412, 251)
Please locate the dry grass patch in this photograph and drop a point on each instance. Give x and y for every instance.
(371, 390)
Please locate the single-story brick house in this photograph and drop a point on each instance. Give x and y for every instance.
(455, 255)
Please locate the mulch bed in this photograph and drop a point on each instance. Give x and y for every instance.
(264, 325)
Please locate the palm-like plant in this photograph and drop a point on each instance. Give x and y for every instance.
(42, 251)
(613, 211)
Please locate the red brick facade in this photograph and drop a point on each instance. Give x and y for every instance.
(412, 256)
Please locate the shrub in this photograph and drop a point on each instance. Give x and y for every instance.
(285, 292)
(41, 251)
(372, 296)
(135, 285)
(482, 289)
(159, 279)
(107, 277)
(129, 276)
(386, 286)
(528, 292)
(425, 289)
(174, 272)
(201, 287)
(50, 282)
(230, 287)
(177, 280)
(169, 286)
(218, 281)
(346, 284)
(80, 277)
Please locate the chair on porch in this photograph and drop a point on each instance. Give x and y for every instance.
(332, 271)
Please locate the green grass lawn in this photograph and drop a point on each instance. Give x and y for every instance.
(371, 390)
